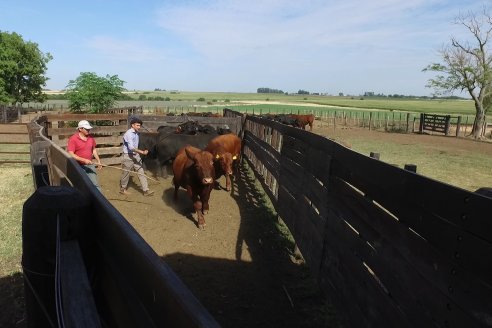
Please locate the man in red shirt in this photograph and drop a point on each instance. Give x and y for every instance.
(82, 147)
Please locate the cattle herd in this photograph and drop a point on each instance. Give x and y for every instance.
(200, 155)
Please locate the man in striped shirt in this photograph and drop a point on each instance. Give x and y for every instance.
(132, 160)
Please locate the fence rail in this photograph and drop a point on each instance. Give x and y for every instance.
(390, 247)
(131, 285)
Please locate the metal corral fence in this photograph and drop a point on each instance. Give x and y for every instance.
(389, 247)
(84, 265)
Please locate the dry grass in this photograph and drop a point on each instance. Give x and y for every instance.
(16, 185)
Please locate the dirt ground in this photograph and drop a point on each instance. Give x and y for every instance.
(238, 267)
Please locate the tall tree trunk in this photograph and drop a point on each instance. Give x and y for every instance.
(478, 124)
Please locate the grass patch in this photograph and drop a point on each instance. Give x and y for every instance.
(15, 187)
(464, 168)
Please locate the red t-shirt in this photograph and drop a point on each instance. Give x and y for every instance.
(82, 148)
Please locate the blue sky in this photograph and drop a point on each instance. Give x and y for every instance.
(326, 46)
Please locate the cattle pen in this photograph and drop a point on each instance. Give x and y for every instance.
(389, 247)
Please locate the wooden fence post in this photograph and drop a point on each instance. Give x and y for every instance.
(458, 126)
(374, 155)
(421, 125)
(411, 168)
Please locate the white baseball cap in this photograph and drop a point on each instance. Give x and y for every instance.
(84, 124)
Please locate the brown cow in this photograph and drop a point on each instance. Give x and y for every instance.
(194, 171)
(226, 150)
(303, 120)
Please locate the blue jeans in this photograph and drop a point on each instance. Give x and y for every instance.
(92, 174)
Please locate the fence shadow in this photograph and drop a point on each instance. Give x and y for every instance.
(265, 286)
(12, 303)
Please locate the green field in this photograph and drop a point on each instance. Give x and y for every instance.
(179, 99)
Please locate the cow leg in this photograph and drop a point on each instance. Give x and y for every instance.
(176, 187)
(228, 182)
(164, 171)
(198, 209)
(205, 196)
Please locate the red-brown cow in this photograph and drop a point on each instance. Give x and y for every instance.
(194, 171)
(226, 150)
(303, 120)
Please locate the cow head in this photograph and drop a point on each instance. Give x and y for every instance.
(203, 165)
(224, 160)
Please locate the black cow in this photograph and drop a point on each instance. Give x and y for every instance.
(164, 147)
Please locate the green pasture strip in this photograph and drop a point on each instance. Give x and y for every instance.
(182, 101)
(440, 163)
(16, 185)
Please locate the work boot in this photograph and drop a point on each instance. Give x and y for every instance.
(148, 192)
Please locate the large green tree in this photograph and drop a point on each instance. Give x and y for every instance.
(22, 70)
(467, 65)
(93, 93)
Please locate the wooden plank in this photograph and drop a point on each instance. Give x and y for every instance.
(427, 206)
(100, 141)
(97, 129)
(357, 290)
(14, 138)
(15, 152)
(89, 117)
(261, 179)
(13, 128)
(109, 150)
(79, 308)
(12, 161)
(306, 227)
(421, 294)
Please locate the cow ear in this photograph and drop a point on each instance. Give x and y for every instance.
(189, 154)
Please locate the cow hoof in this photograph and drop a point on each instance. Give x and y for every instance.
(228, 188)
(201, 226)
(205, 212)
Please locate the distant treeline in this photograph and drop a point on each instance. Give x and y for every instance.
(268, 90)
(366, 95)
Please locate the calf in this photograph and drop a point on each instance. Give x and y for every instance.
(226, 150)
(193, 170)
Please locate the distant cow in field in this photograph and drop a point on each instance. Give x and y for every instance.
(194, 171)
(303, 120)
(226, 150)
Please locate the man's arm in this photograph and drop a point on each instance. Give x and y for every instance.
(96, 156)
